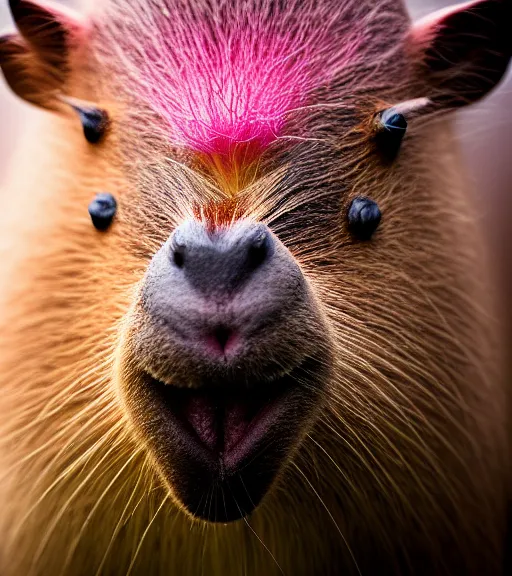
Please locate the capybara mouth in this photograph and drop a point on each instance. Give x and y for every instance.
(227, 423)
(220, 448)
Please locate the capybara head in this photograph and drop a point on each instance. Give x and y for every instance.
(285, 293)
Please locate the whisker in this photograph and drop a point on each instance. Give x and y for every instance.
(75, 543)
(119, 524)
(257, 536)
(330, 516)
(56, 519)
(141, 541)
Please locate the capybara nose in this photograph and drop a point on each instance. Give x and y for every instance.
(220, 298)
(218, 261)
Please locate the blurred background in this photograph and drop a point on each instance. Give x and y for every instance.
(485, 131)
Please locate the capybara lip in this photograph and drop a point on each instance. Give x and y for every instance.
(220, 448)
(228, 422)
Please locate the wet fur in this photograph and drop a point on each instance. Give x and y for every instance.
(402, 474)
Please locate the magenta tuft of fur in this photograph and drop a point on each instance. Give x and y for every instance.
(230, 81)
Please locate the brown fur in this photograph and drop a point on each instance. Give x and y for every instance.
(402, 473)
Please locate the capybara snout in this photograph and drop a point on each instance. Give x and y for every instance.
(226, 298)
(228, 351)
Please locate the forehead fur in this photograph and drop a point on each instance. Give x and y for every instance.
(225, 74)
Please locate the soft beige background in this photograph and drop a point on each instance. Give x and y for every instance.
(485, 130)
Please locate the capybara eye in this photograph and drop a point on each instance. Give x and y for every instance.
(102, 210)
(363, 217)
(94, 122)
(391, 128)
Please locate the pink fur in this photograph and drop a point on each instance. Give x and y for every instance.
(230, 92)
(239, 93)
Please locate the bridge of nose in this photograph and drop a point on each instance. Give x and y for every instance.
(216, 268)
(220, 261)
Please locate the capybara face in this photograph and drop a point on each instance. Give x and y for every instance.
(227, 357)
(270, 151)
(295, 292)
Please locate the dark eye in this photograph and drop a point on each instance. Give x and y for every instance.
(94, 122)
(102, 210)
(363, 217)
(391, 128)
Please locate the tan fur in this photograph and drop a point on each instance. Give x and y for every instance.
(403, 471)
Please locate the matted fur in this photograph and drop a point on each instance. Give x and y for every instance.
(402, 472)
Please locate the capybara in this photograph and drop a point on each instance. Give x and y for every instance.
(247, 320)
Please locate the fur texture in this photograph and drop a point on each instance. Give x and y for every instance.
(403, 471)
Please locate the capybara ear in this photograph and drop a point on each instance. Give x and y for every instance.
(463, 51)
(35, 61)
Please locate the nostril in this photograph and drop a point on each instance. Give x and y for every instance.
(258, 249)
(178, 258)
(177, 250)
